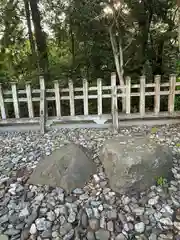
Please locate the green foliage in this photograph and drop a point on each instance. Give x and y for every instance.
(154, 130)
(79, 44)
(161, 181)
(177, 103)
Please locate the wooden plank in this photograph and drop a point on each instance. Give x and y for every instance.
(149, 93)
(42, 112)
(2, 106)
(99, 95)
(107, 96)
(157, 95)
(85, 93)
(135, 86)
(50, 99)
(7, 92)
(121, 87)
(15, 100)
(42, 105)
(148, 85)
(36, 91)
(95, 88)
(135, 94)
(165, 84)
(106, 87)
(43, 87)
(114, 105)
(29, 100)
(106, 117)
(172, 86)
(71, 98)
(142, 96)
(52, 90)
(128, 95)
(58, 99)
(42, 83)
(21, 91)
(164, 93)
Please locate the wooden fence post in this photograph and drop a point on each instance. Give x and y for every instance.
(157, 95)
(172, 88)
(29, 100)
(142, 96)
(58, 99)
(128, 95)
(15, 99)
(99, 94)
(2, 106)
(42, 105)
(114, 106)
(71, 98)
(85, 93)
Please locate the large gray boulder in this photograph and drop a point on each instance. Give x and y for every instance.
(133, 164)
(68, 168)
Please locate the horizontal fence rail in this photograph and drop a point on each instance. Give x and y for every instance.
(86, 93)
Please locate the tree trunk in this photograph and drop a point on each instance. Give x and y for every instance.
(5, 40)
(28, 19)
(119, 63)
(116, 57)
(40, 40)
(33, 57)
(179, 28)
(72, 46)
(121, 60)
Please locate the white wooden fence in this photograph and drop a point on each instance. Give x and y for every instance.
(84, 93)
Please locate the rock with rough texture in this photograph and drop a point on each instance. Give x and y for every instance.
(139, 227)
(3, 237)
(33, 229)
(120, 237)
(94, 224)
(135, 163)
(67, 167)
(102, 234)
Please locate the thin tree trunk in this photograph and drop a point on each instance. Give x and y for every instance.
(121, 60)
(116, 57)
(40, 39)
(119, 63)
(72, 47)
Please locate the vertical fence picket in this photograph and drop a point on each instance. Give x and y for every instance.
(43, 86)
(2, 106)
(157, 95)
(85, 93)
(42, 105)
(71, 98)
(114, 106)
(58, 99)
(99, 93)
(172, 88)
(142, 96)
(128, 95)
(15, 99)
(29, 100)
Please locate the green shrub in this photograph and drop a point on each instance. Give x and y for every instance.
(161, 181)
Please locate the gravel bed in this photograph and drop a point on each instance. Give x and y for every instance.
(94, 212)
